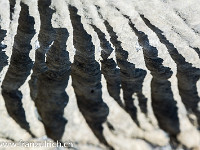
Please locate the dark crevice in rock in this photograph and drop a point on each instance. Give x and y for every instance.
(3, 56)
(110, 126)
(49, 79)
(197, 50)
(51, 97)
(105, 45)
(19, 68)
(12, 8)
(45, 38)
(186, 74)
(109, 67)
(86, 78)
(131, 78)
(112, 76)
(163, 103)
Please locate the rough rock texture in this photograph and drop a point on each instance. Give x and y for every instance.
(131, 77)
(86, 78)
(12, 7)
(51, 97)
(186, 74)
(109, 67)
(3, 56)
(49, 79)
(133, 84)
(197, 50)
(163, 103)
(19, 68)
(45, 38)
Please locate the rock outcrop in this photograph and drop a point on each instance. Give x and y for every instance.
(3, 56)
(186, 74)
(46, 37)
(19, 68)
(109, 67)
(12, 8)
(163, 103)
(51, 97)
(131, 78)
(50, 77)
(146, 106)
(86, 78)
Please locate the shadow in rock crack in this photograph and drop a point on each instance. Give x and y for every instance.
(51, 97)
(49, 79)
(186, 74)
(131, 78)
(19, 68)
(46, 37)
(109, 67)
(163, 103)
(3, 56)
(197, 50)
(86, 78)
(12, 8)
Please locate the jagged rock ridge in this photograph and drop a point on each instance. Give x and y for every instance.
(19, 68)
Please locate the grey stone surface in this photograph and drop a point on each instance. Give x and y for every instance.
(102, 74)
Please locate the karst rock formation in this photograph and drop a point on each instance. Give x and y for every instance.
(101, 75)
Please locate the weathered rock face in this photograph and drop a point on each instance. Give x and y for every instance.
(163, 103)
(19, 68)
(109, 67)
(45, 38)
(3, 56)
(49, 79)
(131, 77)
(51, 97)
(197, 50)
(12, 7)
(86, 78)
(186, 74)
(149, 99)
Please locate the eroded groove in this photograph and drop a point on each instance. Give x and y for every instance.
(3, 56)
(197, 50)
(163, 103)
(105, 45)
(19, 68)
(45, 38)
(86, 78)
(186, 74)
(131, 78)
(51, 97)
(12, 8)
(109, 67)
